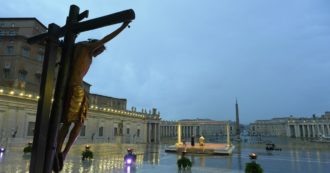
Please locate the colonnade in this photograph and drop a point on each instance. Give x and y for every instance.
(168, 131)
(153, 132)
(309, 130)
(186, 130)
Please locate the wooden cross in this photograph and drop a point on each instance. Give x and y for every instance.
(48, 113)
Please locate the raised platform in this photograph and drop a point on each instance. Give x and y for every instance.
(208, 148)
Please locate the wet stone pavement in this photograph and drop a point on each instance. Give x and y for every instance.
(296, 156)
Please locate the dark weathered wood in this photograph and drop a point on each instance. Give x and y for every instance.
(48, 118)
(110, 19)
(60, 90)
(83, 15)
(44, 103)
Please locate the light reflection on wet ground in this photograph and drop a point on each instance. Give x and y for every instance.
(296, 156)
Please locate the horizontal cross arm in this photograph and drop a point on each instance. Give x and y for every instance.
(111, 19)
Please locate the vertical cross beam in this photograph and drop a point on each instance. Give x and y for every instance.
(48, 118)
(44, 103)
(61, 85)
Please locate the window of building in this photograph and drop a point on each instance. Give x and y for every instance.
(12, 33)
(127, 131)
(10, 50)
(100, 131)
(121, 128)
(83, 131)
(115, 131)
(30, 130)
(38, 75)
(40, 57)
(2, 33)
(41, 49)
(138, 133)
(22, 75)
(12, 25)
(6, 73)
(26, 52)
(11, 41)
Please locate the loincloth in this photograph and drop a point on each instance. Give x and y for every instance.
(76, 104)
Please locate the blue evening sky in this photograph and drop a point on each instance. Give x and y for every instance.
(190, 59)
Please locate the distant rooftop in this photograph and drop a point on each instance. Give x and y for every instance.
(23, 18)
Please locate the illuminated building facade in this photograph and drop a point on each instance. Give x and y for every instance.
(103, 124)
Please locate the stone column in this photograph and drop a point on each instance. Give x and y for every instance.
(172, 131)
(158, 133)
(167, 131)
(228, 135)
(326, 129)
(179, 134)
(195, 131)
(155, 132)
(182, 131)
(288, 131)
(296, 130)
(188, 131)
(149, 132)
(143, 133)
(175, 130)
(162, 130)
(303, 131)
(316, 131)
(307, 131)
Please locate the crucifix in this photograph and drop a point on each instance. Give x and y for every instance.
(70, 104)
